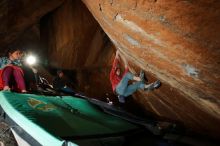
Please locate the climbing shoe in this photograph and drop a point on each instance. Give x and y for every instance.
(141, 75)
(153, 86)
(149, 87)
(157, 84)
(121, 98)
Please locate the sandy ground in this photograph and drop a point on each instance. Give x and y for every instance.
(6, 136)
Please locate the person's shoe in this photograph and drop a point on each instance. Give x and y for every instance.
(157, 84)
(109, 102)
(149, 87)
(121, 99)
(153, 86)
(141, 75)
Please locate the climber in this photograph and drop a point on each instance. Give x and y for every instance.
(120, 83)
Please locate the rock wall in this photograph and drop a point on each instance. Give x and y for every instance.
(19, 15)
(76, 42)
(176, 41)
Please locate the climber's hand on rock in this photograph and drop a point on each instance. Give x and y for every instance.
(117, 54)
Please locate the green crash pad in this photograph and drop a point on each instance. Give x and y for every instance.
(49, 119)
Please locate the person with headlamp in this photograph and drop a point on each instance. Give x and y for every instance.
(11, 73)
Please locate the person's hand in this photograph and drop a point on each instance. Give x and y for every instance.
(126, 63)
(124, 60)
(117, 54)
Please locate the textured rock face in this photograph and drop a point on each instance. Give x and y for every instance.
(18, 15)
(77, 42)
(176, 42)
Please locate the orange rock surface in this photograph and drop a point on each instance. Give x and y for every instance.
(176, 41)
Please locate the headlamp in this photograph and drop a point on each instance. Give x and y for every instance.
(31, 60)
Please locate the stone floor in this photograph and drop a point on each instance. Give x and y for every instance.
(6, 136)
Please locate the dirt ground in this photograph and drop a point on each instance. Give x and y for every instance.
(6, 136)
